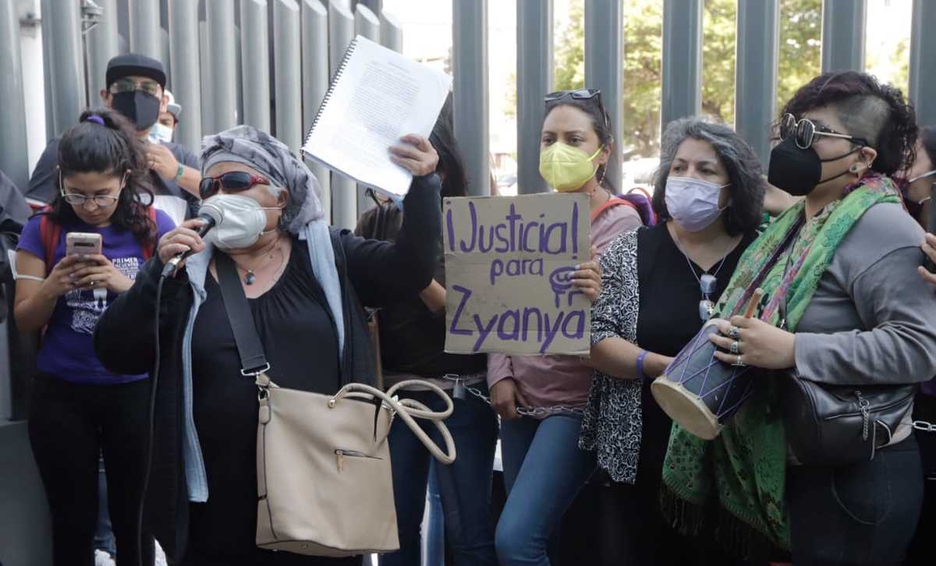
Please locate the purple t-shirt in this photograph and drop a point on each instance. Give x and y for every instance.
(67, 351)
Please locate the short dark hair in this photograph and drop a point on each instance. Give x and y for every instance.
(877, 112)
(747, 188)
(442, 139)
(601, 122)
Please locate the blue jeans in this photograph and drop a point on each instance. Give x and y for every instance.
(543, 472)
(104, 533)
(434, 543)
(465, 485)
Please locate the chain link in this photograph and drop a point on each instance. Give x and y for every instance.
(924, 426)
(525, 411)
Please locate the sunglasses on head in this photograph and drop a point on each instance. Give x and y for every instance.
(233, 182)
(804, 132)
(579, 94)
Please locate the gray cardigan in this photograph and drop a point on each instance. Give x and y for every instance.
(872, 318)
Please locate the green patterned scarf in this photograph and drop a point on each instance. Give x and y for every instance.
(745, 466)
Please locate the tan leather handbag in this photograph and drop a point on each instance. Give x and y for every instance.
(324, 482)
(323, 467)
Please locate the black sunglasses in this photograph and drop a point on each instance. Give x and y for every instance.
(579, 94)
(804, 132)
(233, 182)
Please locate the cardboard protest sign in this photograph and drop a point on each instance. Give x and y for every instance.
(508, 266)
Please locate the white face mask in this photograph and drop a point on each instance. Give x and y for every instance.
(243, 221)
(693, 203)
(160, 133)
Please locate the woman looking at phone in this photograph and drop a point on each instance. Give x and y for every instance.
(78, 408)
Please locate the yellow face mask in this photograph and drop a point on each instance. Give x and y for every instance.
(567, 168)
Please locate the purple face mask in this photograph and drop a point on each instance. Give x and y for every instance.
(693, 203)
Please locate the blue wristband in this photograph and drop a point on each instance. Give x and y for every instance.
(640, 363)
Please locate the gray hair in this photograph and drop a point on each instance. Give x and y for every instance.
(261, 151)
(745, 173)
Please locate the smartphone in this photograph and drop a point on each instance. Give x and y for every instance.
(80, 243)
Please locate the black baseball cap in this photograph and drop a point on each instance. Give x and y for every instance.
(135, 65)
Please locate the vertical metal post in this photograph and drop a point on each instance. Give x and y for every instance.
(682, 59)
(756, 72)
(61, 25)
(223, 62)
(604, 51)
(843, 34)
(165, 56)
(391, 32)
(315, 81)
(534, 81)
(207, 88)
(256, 64)
(471, 105)
(184, 56)
(922, 62)
(6, 373)
(14, 160)
(366, 24)
(102, 46)
(144, 28)
(340, 34)
(287, 67)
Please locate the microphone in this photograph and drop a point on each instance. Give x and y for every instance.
(210, 216)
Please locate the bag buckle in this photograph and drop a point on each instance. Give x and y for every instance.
(255, 372)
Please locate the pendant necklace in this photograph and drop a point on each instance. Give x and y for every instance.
(250, 275)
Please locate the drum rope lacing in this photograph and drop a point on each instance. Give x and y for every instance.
(459, 393)
(699, 342)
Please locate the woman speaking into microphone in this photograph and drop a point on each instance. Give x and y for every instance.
(304, 283)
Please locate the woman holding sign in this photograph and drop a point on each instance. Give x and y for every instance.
(543, 467)
(658, 286)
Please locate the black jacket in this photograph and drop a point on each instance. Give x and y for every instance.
(371, 272)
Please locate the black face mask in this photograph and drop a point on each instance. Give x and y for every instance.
(142, 109)
(798, 171)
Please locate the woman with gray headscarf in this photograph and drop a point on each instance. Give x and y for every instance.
(305, 283)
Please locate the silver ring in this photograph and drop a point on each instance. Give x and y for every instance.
(735, 347)
(734, 332)
(92, 283)
(739, 363)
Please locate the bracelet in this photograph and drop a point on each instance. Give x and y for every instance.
(640, 365)
(179, 172)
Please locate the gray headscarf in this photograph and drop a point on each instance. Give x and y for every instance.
(271, 157)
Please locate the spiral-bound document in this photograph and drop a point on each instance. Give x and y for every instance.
(376, 97)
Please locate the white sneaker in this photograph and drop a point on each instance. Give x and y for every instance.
(160, 556)
(102, 558)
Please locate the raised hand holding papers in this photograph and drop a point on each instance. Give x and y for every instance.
(376, 97)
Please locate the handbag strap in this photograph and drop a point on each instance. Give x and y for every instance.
(253, 360)
(409, 410)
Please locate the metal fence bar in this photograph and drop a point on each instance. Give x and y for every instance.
(315, 81)
(144, 28)
(391, 33)
(287, 55)
(471, 105)
(222, 64)
(184, 55)
(534, 81)
(204, 71)
(14, 159)
(682, 60)
(604, 51)
(61, 27)
(922, 62)
(102, 45)
(340, 34)
(256, 64)
(756, 72)
(843, 34)
(366, 24)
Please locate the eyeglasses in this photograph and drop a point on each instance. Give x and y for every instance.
(233, 182)
(127, 85)
(805, 131)
(579, 94)
(78, 199)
